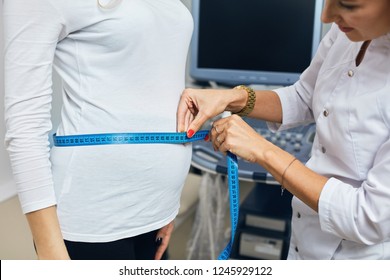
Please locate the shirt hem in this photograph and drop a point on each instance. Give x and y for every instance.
(75, 237)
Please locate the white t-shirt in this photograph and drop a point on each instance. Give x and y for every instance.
(123, 70)
(350, 106)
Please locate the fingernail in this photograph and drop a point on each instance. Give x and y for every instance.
(190, 133)
(158, 241)
(206, 138)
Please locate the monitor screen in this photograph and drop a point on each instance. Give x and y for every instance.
(267, 42)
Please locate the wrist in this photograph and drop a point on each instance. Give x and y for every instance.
(237, 100)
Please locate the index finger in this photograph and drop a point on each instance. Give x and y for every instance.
(182, 112)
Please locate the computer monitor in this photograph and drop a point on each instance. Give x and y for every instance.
(267, 42)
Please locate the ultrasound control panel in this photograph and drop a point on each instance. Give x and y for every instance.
(297, 141)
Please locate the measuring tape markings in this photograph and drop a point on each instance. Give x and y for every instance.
(233, 183)
(127, 138)
(163, 138)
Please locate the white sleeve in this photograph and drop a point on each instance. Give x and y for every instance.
(296, 100)
(31, 32)
(359, 214)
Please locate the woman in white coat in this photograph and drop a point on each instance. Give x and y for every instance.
(341, 204)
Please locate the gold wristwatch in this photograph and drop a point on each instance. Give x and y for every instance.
(250, 103)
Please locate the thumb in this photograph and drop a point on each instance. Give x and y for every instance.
(196, 124)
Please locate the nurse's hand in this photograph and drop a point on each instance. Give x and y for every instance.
(233, 134)
(162, 239)
(196, 106)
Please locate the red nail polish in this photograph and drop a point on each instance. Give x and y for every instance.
(190, 133)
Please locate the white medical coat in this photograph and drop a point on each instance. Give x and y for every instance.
(351, 108)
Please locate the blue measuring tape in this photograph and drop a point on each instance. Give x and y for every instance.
(234, 195)
(163, 138)
(127, 138)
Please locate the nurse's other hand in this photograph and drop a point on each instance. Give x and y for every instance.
(235, 135)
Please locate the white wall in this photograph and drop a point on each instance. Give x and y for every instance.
(187, 3)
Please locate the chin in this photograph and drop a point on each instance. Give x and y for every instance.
(356, 38)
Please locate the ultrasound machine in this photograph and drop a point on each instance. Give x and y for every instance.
(264, 44)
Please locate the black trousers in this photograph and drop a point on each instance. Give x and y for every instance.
(141, 247)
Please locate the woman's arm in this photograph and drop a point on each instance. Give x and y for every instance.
(196, 106)
(47, 235)
(31, 32)
(235, 135)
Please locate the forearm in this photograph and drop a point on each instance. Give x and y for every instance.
(299, 180)
(46, 233)
(267, 106)
(197, 106)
